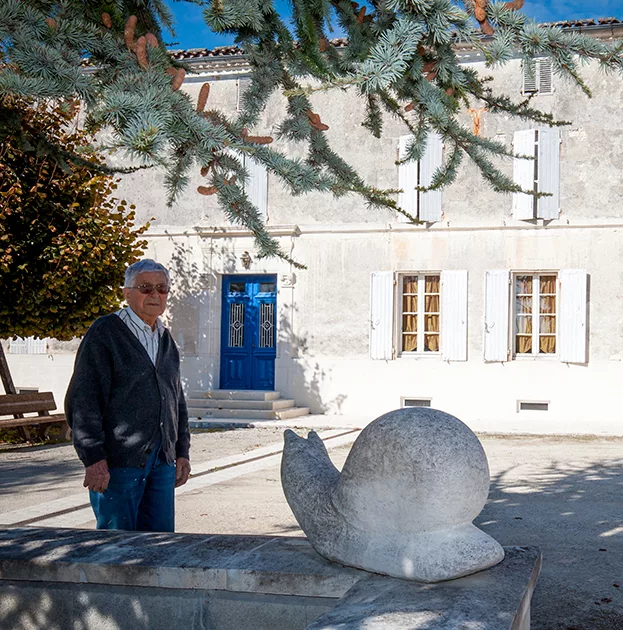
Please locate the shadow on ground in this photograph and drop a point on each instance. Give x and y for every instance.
(38, 470)
(574, 515)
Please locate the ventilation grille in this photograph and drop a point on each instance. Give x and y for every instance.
(532, 405)
(415, 402)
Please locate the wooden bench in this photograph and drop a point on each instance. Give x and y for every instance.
(41, 403)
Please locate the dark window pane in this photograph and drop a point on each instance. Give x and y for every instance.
(237, 287)
(268, 287)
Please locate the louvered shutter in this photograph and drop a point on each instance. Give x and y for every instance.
(407, 181)
(572, 336)
(530, 73)
(381, 315)
(257, 186)
(36, 346)
(545, 76)
(454, 315)
(17, 345)
(496, 315)
(29, 345)
(549, 173)
(242, 86)
(430, 202)
(523, 174)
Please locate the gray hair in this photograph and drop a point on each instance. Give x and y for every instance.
(147, 264)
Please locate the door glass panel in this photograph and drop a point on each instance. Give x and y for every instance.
(237, 287)
(267, 325)
(236, 325)
(268, 287)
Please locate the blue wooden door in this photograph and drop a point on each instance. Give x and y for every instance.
(248, 332)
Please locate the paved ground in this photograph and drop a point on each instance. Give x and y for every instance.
(563, 495)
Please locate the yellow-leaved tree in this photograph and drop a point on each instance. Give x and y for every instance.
(65, 241)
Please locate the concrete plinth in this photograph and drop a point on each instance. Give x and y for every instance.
(56, 579)
(495, 599)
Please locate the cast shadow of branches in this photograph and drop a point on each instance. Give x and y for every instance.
(573, 514)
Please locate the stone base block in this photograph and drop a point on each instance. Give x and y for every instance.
(61, 578)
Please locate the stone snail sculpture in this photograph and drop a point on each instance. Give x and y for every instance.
(404, 503)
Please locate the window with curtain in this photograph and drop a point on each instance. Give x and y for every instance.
(536, 301)
(420, 313)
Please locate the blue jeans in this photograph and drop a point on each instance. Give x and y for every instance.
(138, 499)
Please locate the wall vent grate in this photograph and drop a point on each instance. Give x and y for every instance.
(415, 402)
(532, 405)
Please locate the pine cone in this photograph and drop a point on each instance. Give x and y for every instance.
(259, 139)
(128, 32)
(314, 119)
(514, 5)
(51, 22)
(141, 52)
(486, 27)
(106, 20)
(152, 40)
(178, 79)
(205, 170)
(204, 92)
(207, 190)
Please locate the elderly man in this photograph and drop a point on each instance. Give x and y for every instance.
(127, 411)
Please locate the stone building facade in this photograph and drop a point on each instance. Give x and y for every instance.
(504, 312)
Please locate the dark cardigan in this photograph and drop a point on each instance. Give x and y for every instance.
(119, 404)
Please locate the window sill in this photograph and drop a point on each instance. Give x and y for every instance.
(536, 357)
(419, 355)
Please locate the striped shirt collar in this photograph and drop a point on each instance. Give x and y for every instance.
(150, 340)
(137, 321)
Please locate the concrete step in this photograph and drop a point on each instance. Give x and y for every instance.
(248, 414)
(236, 394)
(258, 405)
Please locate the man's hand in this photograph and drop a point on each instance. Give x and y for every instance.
(182, 470)
(96, 476)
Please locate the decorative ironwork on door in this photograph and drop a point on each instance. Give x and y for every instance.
(236, 325)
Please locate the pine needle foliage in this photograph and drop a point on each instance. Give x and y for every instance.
(400, 58)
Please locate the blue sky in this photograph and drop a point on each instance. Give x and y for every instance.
(192, 32)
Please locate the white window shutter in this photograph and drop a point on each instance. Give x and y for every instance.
(549, 173)
(430, 202)
(572, 318)
(407, 181)
(36, 346)
(381, 315)
(496, 315)
(257, 185)
(530, 75)
(523, 174)
(545, 76)
(17, 345)
(454, 315)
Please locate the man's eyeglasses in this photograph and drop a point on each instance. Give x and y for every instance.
(146, 289)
